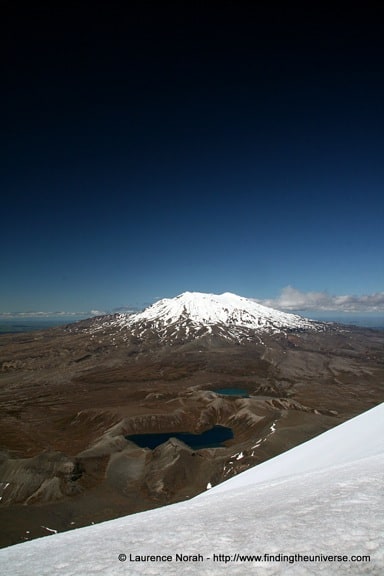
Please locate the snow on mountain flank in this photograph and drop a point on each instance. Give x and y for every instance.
(211, 309)
(197, 313)
(316, 509)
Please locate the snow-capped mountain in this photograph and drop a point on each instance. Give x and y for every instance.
(317, 508)
(196, 314)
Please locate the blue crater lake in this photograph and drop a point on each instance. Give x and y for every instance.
(212, 438)
(232, 392)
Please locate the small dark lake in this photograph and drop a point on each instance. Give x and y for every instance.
(212, 438)
(232, 392)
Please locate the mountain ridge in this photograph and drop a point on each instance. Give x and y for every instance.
(196, 314)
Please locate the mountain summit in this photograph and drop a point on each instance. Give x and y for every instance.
(195, 314)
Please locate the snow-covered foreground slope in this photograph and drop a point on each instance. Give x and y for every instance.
(358, 438)
(317, 509)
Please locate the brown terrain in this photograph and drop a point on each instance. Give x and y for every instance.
(69, 399)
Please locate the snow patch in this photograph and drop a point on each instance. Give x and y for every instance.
(49, 529)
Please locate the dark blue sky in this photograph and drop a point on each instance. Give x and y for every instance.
(150, 150)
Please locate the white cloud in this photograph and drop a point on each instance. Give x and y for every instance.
(130, 309)
(293, 299)
(96, 313)
(47, 315)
